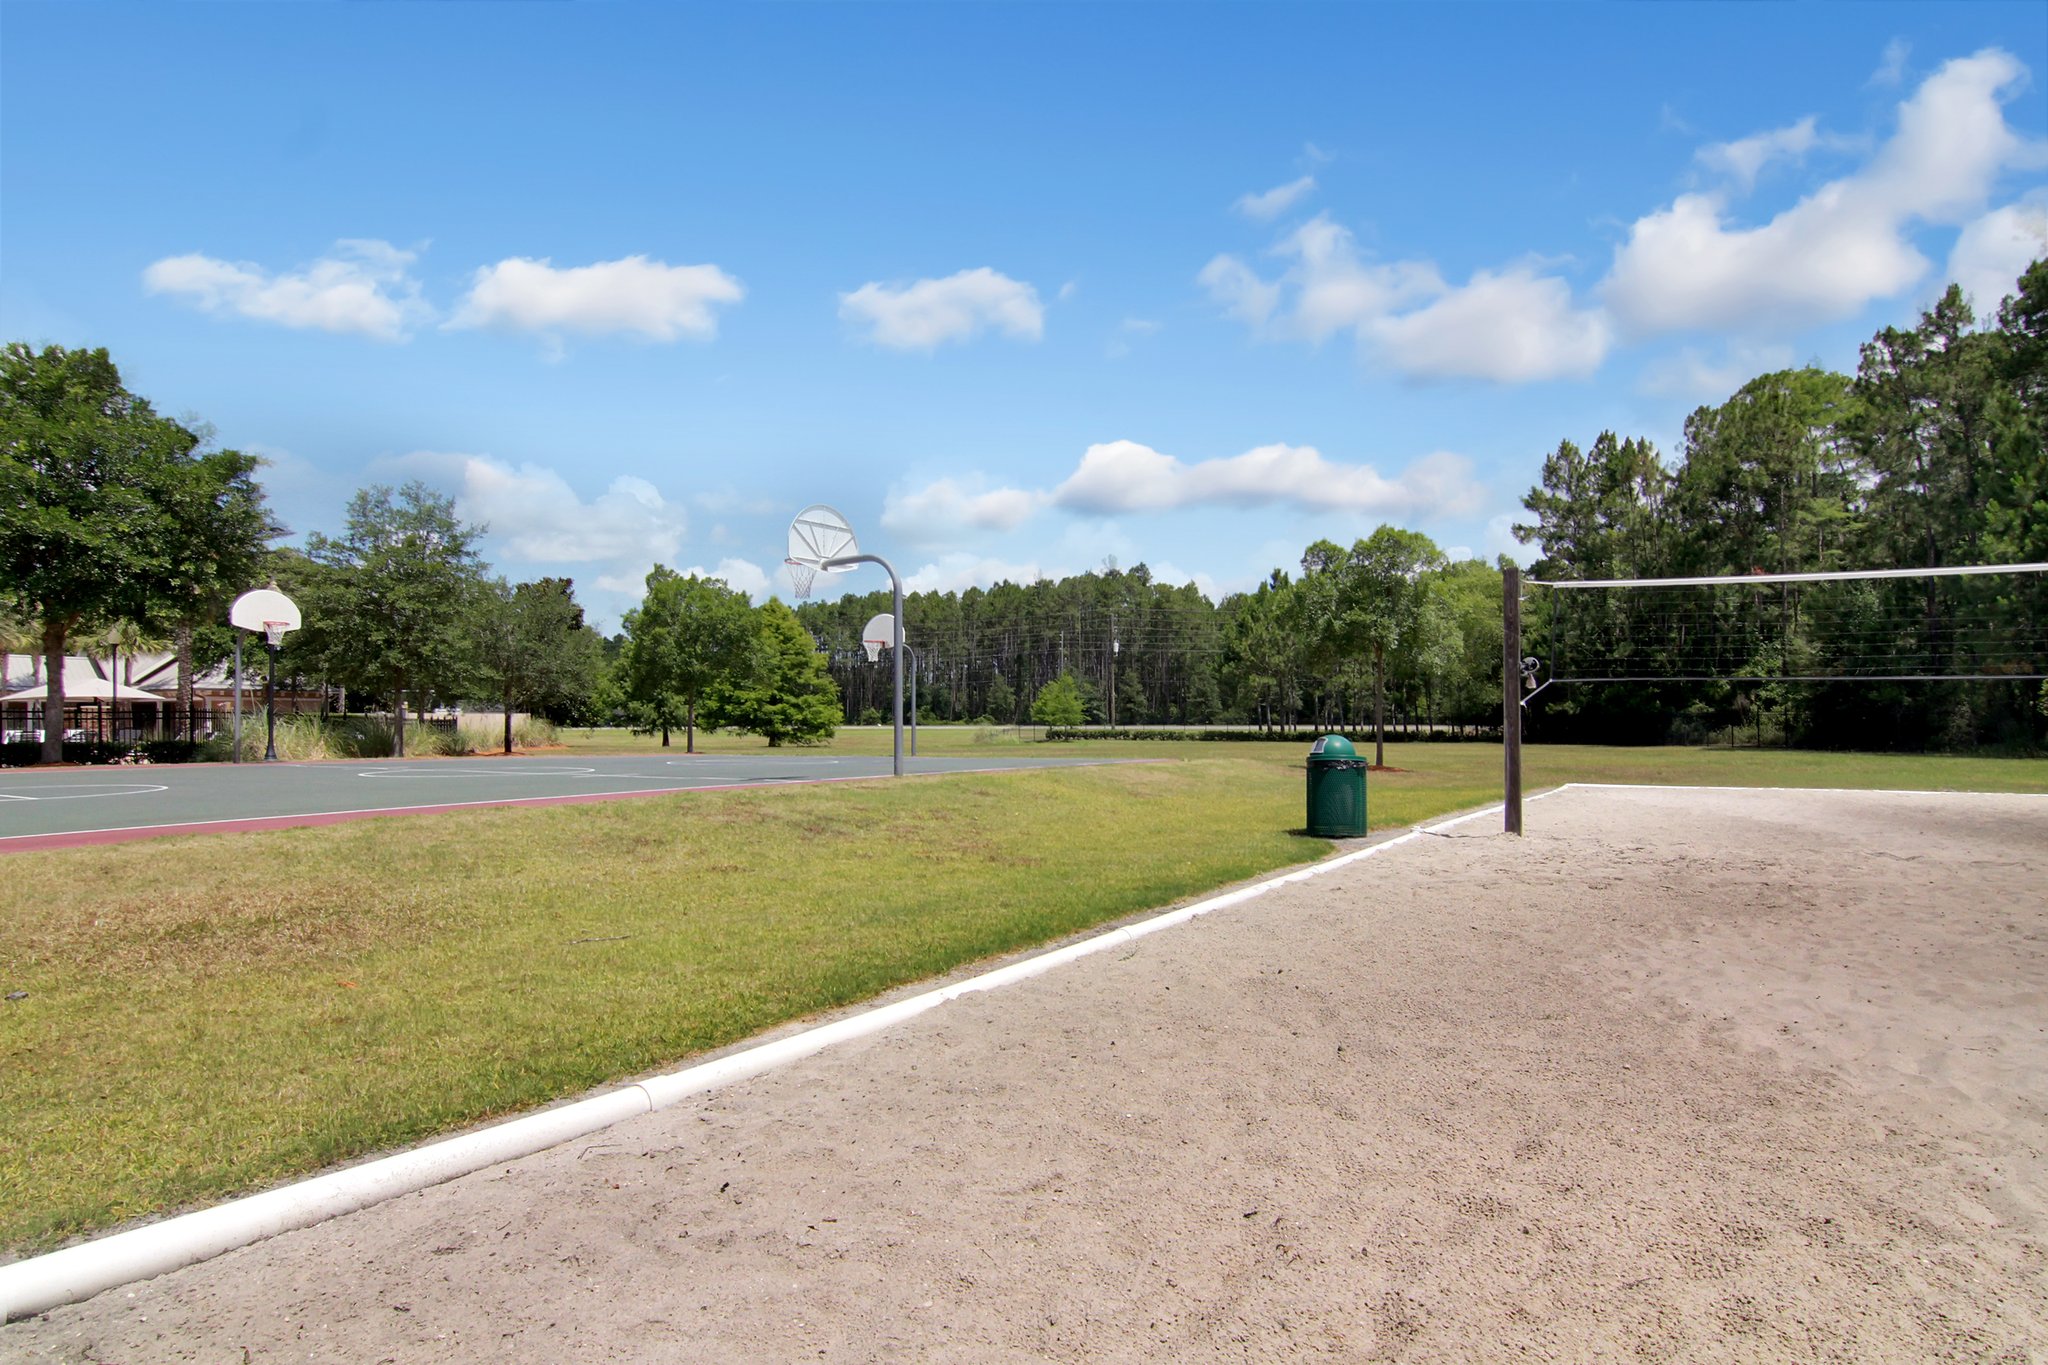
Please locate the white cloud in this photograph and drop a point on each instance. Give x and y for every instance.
(1119, 345)
(629, 584)
(945, 510)
(1124, 476)
(1892, 68)
(1694, 377)
(535, 517)
(1173, 574)
(1335, 290)
(929, 313)
(1744, 159)
(741, 575)
(959, 572)
(1993, 251)
(634, 295)
(361, 286)
(727, 501)
(1500, 540)
(1842, 246)
(1270, 204)
(1510, 326)
(1239, 290)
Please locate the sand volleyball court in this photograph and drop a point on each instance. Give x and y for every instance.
(1683, 1075)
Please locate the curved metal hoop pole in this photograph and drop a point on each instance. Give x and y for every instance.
(896, 593)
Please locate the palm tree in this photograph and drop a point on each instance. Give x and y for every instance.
(20, 635)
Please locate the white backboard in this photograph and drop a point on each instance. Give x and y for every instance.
(880, 630)
(819, 533)
(264, 607)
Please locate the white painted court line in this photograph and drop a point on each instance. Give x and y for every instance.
(477, 772)
(44, 1282)
(87, 791)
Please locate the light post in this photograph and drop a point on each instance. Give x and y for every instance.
(114, 684)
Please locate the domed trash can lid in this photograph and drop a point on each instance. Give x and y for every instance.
(1331, 748)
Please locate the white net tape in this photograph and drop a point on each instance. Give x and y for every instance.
(800, 577)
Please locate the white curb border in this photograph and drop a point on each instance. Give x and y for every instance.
(49, 1281)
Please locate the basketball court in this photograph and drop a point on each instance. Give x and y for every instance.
(54, 808)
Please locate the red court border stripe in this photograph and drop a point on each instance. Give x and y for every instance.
(25, 843)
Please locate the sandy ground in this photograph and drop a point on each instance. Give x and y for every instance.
(1682, 1075)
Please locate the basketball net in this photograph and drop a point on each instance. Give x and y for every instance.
(801, 576)
(273, 631)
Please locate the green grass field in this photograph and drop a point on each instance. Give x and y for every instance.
(207, 1015)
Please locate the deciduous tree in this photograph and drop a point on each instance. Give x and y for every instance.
(107, 510)
(1059, 704)
(391, 601)
(688, 635)
(788, 696)
(533, 650)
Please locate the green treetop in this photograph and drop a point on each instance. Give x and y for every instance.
(789, 696)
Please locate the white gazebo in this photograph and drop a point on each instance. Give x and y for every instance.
(104, 695)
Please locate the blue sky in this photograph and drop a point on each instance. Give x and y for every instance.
(1016, 287)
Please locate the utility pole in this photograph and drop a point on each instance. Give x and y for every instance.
(1115, 648)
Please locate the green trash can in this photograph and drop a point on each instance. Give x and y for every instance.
(1336, 789)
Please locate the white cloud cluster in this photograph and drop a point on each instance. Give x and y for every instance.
(929, 313)
(941, 510)
(1125, 476)
(1696, 377)
(1689, 265)
(1992, 251)
(361, 286)
(367, 287)
(1891, 68)
(635, 295)
(535, 517)
(959, 572)
(1844, 245)
(1270, 204)
(1745, 158)
(1509, 326)
(741, 575)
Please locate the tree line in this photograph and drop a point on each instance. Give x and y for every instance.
(1930, 455)
(401, 609)
(114, 519)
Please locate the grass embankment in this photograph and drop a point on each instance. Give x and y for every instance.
(206, 1015)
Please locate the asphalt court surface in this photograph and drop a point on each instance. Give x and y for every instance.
(42, 808)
